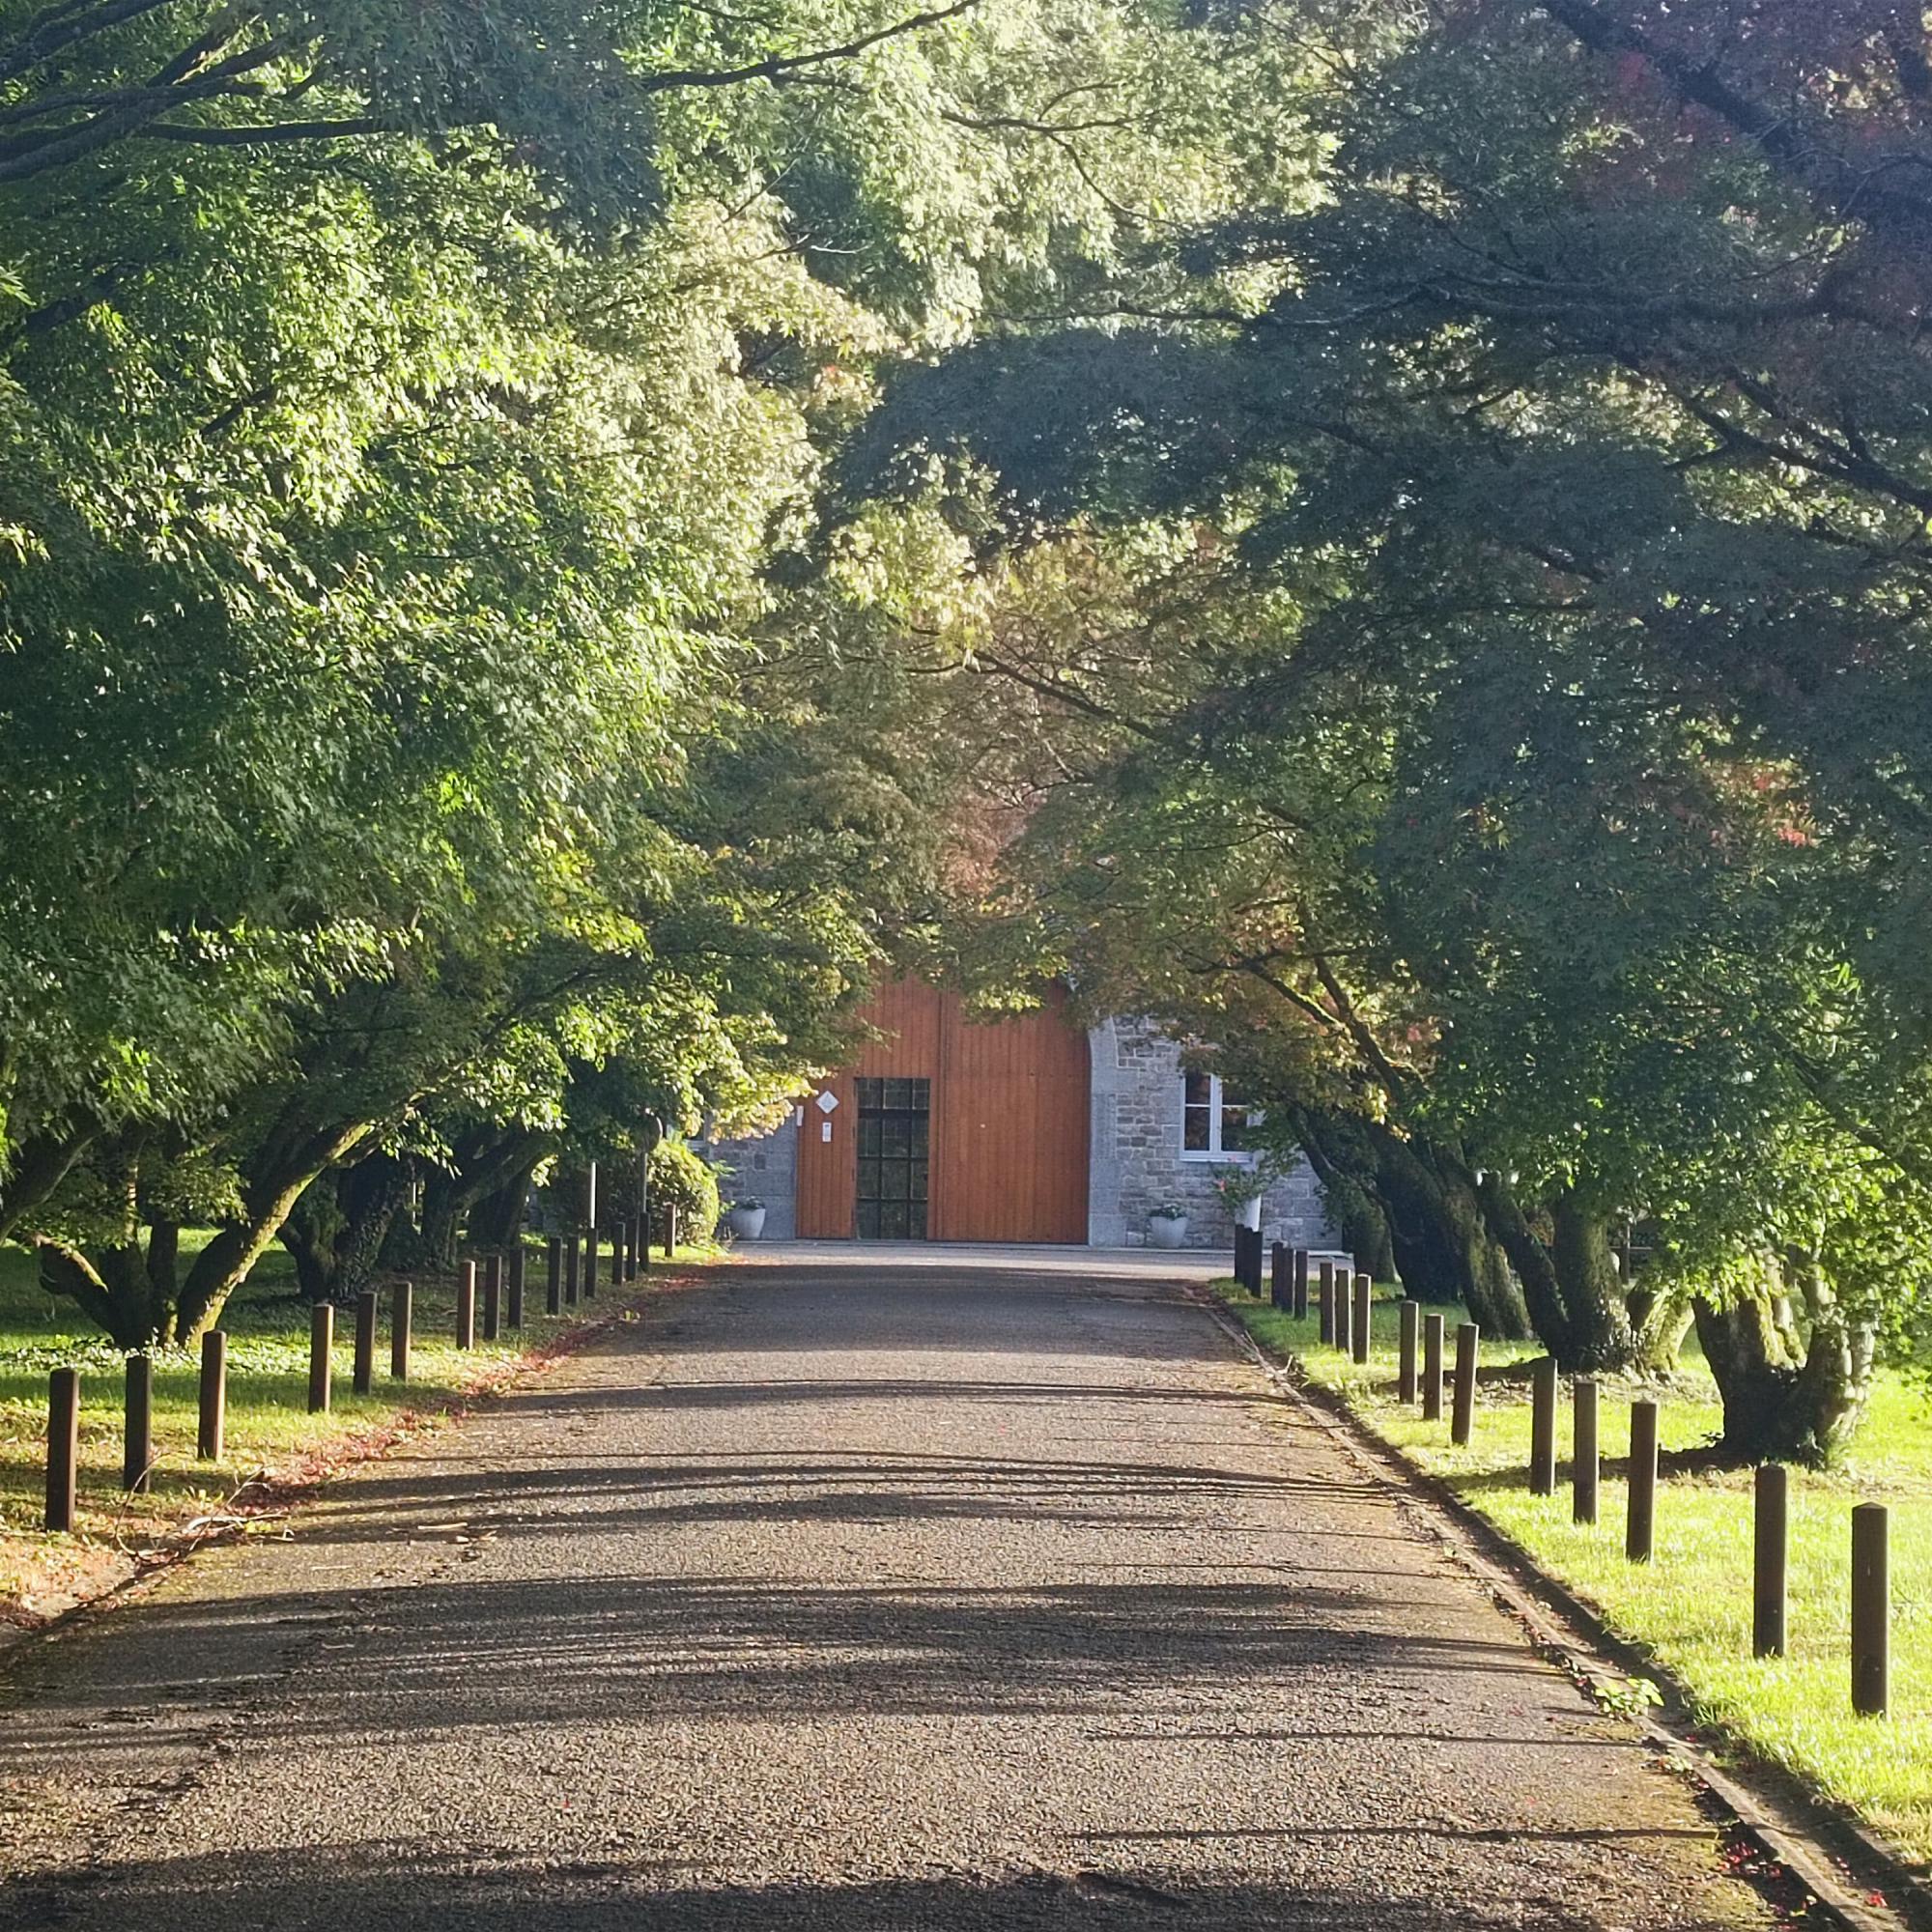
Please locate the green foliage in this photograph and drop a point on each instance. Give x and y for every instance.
(685, 1180)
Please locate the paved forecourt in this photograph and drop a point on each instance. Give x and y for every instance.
(861, 1590)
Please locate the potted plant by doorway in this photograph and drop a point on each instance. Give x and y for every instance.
(1167, 1225)
(748, 1219)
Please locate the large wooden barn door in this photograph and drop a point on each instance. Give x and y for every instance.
(1009, 1114)
(1005, 1113)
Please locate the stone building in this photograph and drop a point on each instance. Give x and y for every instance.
(1022, 1129)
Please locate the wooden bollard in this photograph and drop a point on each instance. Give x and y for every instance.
(512, 1313)
(212, 1417)
(1301, 1283)
(362, 1374)
(1871, 1611)
(553, 1276)
(570, 1271)
(671, 1230)
(1463, 1423)
(589, 1262)
(1365, 1285)
(492, 1297)
(1640, 1522)
(1344, 1323)
(1281, 1292)
(1432, 1368)
(63, 1447)
(1411, 1314)
(634, 1228)
(1542, 1428)
(1769, 1540)
(402, 1306)
(466, 1304)
(137, 1447)
(1324, 1291)
(1584, 1468)
(321, 1345)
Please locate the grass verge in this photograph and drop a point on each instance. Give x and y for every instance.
(1691, 1607)
(273, 1444)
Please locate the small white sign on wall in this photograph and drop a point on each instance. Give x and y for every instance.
(827, 1102)
(825, 1130)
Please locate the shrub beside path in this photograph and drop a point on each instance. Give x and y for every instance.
(847, 1593)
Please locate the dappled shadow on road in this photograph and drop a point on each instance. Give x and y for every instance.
(572, 1495)
(402, 1890)
(464, 1651)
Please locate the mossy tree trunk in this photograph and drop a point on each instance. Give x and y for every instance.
(1793, 1392)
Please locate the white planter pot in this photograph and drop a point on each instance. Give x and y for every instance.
(747, 1223)
(1166, 1230)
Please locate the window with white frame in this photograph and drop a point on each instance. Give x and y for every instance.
(1214, 1122)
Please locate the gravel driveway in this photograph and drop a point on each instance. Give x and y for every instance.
(844, 1594)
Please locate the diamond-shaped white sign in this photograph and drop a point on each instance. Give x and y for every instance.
(825, 1102)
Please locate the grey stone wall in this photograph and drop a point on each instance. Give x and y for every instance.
(765, 1166)
(1135, 1163)
(1134, 1159)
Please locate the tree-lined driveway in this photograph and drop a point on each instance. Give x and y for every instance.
(845, 1593)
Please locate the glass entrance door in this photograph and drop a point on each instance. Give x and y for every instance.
(894, 1131)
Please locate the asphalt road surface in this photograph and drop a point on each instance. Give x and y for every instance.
(855, 1595)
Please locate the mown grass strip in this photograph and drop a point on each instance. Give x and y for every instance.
(272, 1442)
(1692, 1605)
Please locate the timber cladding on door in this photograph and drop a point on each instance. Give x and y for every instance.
(1009, 1121)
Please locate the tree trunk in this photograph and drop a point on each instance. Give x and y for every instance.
(498, 1219)
(339, 1225)
(1786, 1399)
(1596, 1304)
(277, 1172)
(1442, 1246)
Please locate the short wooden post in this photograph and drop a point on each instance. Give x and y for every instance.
(1432, 1368)
(402, 1302)
(492, 1297)
(1324, 1288)
(1343, 1312)
(1542, 1428)
(635, 1232)
(321, 1345)
(1410, 1317)
(512, 1313)
(570, 1258)
(1584, 1468)
(1640, 1524)
(1770, 1542)
(363, 1378)
(589, 1262)
(137, 1449)
(1301, 1283)
(63, 1447)
(1462, 1424)
(211, 1418)
(1871, 1611)
(671, 1230)
(553, 1276)
(466, 1304)
(1281, 1293)
(1364, 1297)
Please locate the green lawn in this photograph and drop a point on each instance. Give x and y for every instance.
(270, 1432)
(1691, 1607)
